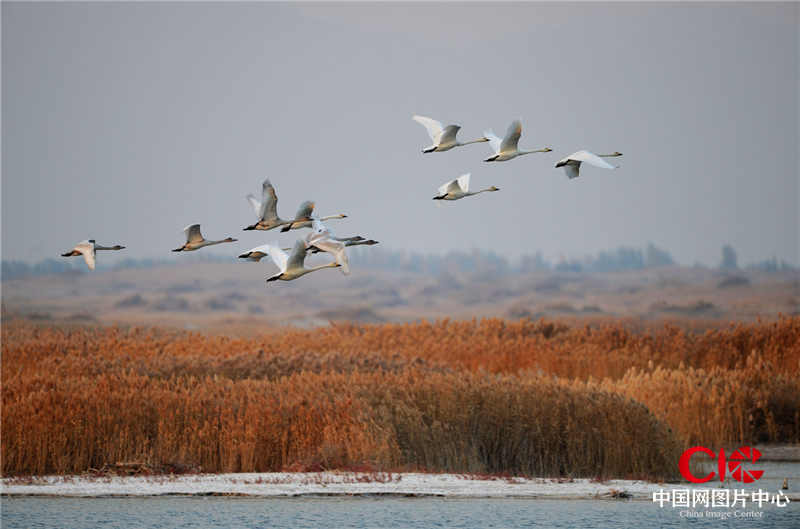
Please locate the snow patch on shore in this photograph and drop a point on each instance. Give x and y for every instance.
(282, 484)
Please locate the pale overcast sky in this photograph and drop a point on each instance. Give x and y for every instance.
(126, 122)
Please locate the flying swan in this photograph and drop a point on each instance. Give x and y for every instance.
(303, 217)
(444, 138)
(506, 149)
(459, 188)
(572, 163)
(266, 209)
(87, 249)
(195, 240)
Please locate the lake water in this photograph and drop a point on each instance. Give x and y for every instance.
(345, 512)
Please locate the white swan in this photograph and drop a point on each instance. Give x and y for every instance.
(323, 239)
(459, 188)
(572, 163)
(259, 252)
(444, 138)
(291, 266)
(87, 249)
(506, 149)
(266, 209)
(195, 240)
(304, 212)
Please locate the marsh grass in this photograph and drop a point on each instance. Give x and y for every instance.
(480, 397)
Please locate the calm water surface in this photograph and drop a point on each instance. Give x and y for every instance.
(232, 513)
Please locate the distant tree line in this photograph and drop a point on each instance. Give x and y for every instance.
(474, 262)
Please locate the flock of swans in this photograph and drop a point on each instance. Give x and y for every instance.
(321, 238)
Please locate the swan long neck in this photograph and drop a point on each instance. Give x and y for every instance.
(479, 140)
(546, 149)
(211, 243)
(612, 155)
(330, 217)
(332, 264)
(108, 247)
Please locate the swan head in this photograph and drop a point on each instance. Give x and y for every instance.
(493, 188)
(231, 239)
(547, 149)
(117, 247)
(616, 153)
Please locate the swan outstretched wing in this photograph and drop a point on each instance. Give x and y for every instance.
(433, 127)
(318, 232)
(86, 248)
(305, 210)
(269, 201)
(512, 137)
(449, 134)
(450, 187)
(298, 255)
(255, 204)
(494, 140)
(463, 182)
(573, 170)
(591, 159)
(278, 256)
(193, 234)
(336, 249)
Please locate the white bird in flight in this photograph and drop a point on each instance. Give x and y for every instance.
(303, 217)
(572, 163)
(291, 266)
(266, 209)
(459, 188)
(87, 249)
(323, 239)
(506, 149)
(195, 240)
(444, 138)
(259, 252)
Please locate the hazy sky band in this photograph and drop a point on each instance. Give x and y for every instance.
(126, 122)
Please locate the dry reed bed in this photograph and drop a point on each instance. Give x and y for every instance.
(455, 396)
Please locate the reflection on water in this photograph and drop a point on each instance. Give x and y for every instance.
(231, 513)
